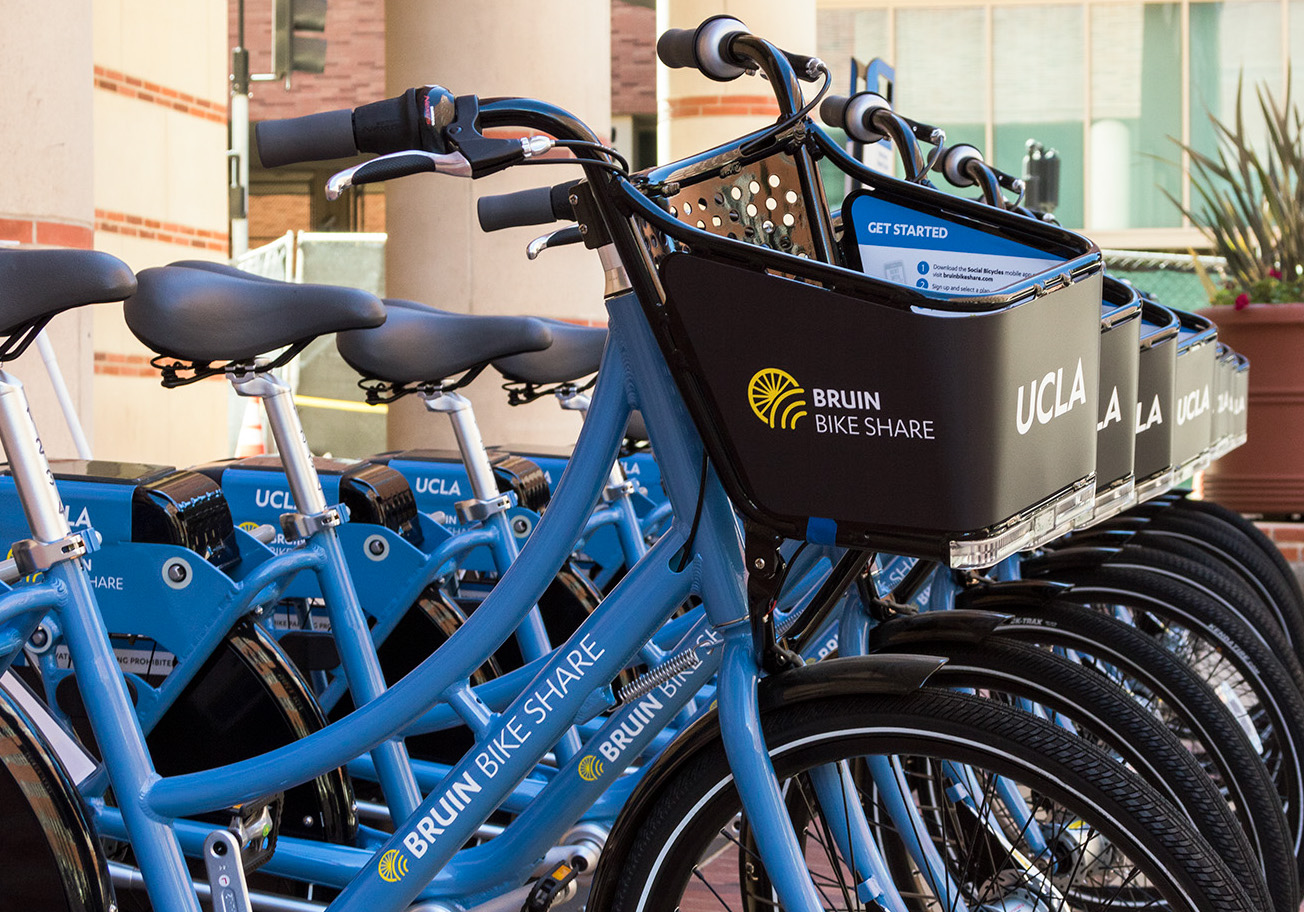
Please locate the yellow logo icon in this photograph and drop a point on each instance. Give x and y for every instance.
(776, 398)
(590, 768)
(392, 867)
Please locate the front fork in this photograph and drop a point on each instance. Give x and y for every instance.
(749, 649)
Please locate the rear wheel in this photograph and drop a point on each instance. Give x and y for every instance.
(50, 859)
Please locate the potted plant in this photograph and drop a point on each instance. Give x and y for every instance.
(1249, 202)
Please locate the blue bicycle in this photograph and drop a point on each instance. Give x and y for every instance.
(839, 751)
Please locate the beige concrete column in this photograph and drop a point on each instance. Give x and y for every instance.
(47, 148)
(160, 195)
(696, 113)
(555, 50)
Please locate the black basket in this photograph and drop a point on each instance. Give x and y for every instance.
(1156, 394)
(1120, 338)
(843, 408)
(1193, 440)
(1224, 372)
(1238, 404)
(1232, 383)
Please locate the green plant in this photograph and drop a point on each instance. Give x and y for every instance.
(1250, 203)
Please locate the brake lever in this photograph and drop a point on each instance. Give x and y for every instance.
(397, 164)
(562, 236)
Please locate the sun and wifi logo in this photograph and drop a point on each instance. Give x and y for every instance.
(392, 867)
(776, 398)
(590, 768)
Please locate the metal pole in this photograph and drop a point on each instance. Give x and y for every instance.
(61, 393)
(239, 153)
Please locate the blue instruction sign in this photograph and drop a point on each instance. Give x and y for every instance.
(908, 247)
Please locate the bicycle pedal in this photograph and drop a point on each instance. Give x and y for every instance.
(255, 826)
(226, 875)
(553, 887)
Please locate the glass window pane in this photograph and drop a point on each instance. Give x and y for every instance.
(942, 70)
(1231, 41)
(1297, 45)
(1136, 106)
(842, 35)
(1037, 84)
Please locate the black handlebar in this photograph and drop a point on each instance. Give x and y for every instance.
(537, 206)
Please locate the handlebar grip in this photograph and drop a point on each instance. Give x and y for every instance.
(706, 48)
(392, 125)
(955, 161)
(675, 48)
(537, 206)
(833, 110)
(855, 114)
(313, 137)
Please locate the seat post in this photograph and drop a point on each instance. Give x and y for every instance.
(28, 465)
(287, 430)
(571, 399)
(469, 442)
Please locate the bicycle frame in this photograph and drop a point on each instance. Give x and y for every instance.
(602, 646)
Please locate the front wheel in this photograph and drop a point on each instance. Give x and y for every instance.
(1008, 811)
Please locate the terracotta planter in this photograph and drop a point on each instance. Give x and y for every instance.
(1266, 475)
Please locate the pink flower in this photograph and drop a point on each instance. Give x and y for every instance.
(1275, 273)
(1242, 301)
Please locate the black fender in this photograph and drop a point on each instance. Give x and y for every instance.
(1081, 557)
(999, 596)
(918, 630)
(885, 674)
(52, 858)
(1108, 536)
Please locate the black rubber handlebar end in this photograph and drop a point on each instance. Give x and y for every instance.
(314, 137)
(833, 111)
(510, 210)
(675, 48)
(538, 206)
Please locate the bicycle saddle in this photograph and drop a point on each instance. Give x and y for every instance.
(210, 315)
(575, 352)
(37, 284)
(420, 344)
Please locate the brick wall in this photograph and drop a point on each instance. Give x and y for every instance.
(355, 60)
(355, 73)
(273, 214)
(1289, 537)
(633, 59)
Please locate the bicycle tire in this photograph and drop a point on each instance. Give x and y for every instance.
(1189, 706)
(1253, 533)
(1241, 669)
(658, 841)
(1203, 537)
(999, 666)
(1150, 551)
